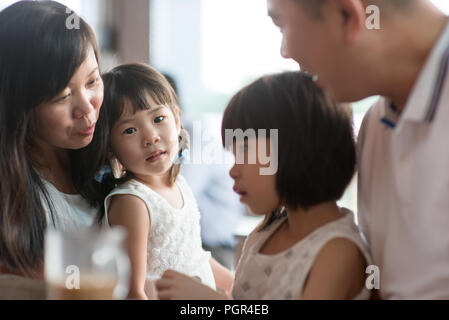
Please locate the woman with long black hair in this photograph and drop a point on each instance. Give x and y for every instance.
(51, 92)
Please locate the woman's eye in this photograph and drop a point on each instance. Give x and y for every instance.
(90, 83)
(130, 131)
(159, 119)
(62, 97)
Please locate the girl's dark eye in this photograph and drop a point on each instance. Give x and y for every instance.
(159, 119)
(130, 131)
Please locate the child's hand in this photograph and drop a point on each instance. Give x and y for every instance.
(177, 286)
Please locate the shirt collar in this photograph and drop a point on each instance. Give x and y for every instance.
(423, 100)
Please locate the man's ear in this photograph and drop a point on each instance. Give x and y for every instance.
(353, 17)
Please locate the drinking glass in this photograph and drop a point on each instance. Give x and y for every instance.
(87, 264)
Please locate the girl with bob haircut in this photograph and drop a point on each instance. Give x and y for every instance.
(50, 95)
(141, 138)
(307, 247)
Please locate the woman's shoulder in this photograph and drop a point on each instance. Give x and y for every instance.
(66, 211)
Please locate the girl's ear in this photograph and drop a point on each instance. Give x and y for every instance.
(177, 118)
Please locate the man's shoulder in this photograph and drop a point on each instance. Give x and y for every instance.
(373, 115)
(376, 109)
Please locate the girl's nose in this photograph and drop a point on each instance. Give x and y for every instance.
(151, 137)
(234, 172)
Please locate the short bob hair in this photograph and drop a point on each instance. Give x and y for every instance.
(128, 82)
(316, 157)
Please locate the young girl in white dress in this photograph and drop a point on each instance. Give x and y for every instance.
(140, 131)
(307, 247)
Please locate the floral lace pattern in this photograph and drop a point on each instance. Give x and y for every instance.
(174, 240)
(283, 275)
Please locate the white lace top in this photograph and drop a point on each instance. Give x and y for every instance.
(282, 275)
(174, 240)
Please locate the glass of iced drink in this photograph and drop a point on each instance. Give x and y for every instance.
(88, 264)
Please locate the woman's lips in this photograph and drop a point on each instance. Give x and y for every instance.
(89, 131)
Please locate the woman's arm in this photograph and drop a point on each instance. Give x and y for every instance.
(131, 213)
(338, 272)
(223, 277)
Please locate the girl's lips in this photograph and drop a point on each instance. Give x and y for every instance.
(242, 197)
(156, 157)
(89, 131)
(242, 194)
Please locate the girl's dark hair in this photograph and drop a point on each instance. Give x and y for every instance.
(316, 153)
(38, 57)
(128, 82)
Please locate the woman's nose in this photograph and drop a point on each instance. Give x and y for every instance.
(85, 108)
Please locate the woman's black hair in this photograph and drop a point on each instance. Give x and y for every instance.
(316, 152)
(38, 56)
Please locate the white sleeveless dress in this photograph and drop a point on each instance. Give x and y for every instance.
(282, 275)
(174, 240)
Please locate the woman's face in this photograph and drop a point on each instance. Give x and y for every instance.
(68, 120)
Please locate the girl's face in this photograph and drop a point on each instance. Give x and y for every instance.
(147, 142)
(255, 190)
(68, 120)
